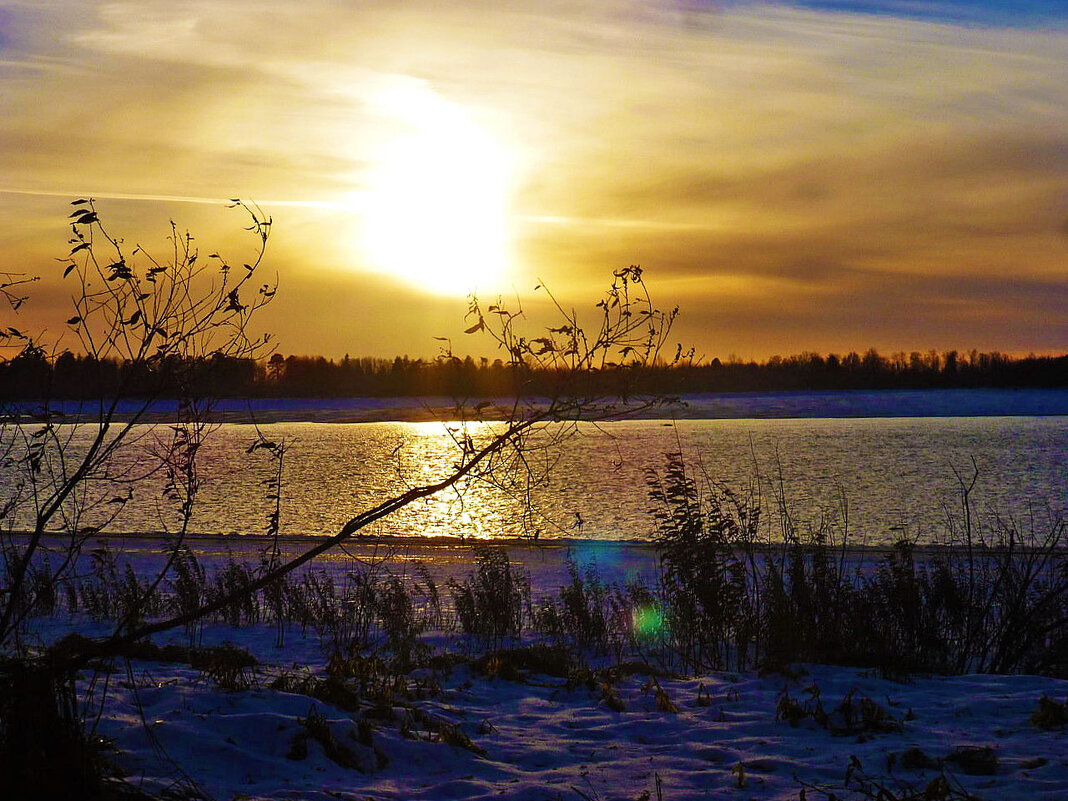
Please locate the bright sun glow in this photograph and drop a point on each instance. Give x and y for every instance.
(435, 210)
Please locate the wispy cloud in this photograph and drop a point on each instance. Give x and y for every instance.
(841, 174)
(1001, 13)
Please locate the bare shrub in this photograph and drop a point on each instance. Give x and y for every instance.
(489, 602)
(698, 534)
(232, 584)
(189, 590)
(400, 623)
(228, 665)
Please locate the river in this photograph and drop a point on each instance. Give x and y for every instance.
(876, 478)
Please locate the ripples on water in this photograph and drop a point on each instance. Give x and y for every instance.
(895, 475)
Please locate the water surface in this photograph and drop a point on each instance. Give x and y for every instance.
(885, 477)
(878, 478)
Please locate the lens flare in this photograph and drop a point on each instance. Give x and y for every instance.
(648, 622)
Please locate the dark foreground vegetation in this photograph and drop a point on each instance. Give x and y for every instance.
(33, 375)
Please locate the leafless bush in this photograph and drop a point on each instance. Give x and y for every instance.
(66, 479)
(490, 602)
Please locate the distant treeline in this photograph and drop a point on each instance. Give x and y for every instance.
(33, 376)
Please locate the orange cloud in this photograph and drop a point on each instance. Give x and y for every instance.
(794, 178)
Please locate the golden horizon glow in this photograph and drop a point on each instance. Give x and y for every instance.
(435, 205)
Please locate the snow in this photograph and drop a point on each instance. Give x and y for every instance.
(544, 739)
(722, 405)
(541, 737)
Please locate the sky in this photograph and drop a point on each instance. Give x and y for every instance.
(807, 176)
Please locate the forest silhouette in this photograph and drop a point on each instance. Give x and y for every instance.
(34, 375)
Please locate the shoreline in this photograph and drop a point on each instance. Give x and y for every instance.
(823, 404)
(406, 545)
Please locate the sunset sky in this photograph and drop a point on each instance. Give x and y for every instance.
(823, 176)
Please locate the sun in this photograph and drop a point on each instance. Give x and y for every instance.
(436, 199)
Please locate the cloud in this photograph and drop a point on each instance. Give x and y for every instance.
(816, 165)
(1017, 13)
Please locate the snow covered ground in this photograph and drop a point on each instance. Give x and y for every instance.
(462, 728)
(722, 405)
(542, 737)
